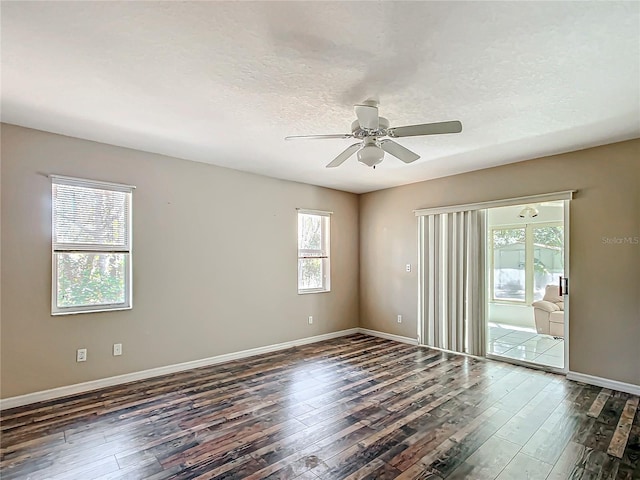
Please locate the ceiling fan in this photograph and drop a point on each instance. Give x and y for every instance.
(369, 128)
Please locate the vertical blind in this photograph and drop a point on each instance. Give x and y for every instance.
(453, 266)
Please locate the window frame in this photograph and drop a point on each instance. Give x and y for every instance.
(324, 253)
(529, 269)
(92, 249)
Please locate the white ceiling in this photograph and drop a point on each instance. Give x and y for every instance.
(224, 82)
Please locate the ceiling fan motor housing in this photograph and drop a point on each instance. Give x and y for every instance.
(359, 132)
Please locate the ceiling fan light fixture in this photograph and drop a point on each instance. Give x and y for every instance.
(370, 155)
(528, 212)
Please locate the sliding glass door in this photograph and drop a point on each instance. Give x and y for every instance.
(526, 314)
(525, 252)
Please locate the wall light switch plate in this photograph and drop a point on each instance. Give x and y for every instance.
(117, 349)
(310, 319)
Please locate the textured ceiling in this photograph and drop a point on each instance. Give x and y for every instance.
(224, 82)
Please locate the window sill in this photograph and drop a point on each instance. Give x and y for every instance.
(307, 292)
(93, 310)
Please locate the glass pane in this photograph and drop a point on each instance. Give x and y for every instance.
(509, 264)
(90, 279)
(310, 273)
(92, 216)
(309, 232)
(548, 258)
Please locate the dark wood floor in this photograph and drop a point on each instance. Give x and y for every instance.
(356, 407)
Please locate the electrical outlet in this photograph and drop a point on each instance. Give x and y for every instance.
(399, 318)
(310, 319)
(81, 355)
(117, 349)
(407, 267)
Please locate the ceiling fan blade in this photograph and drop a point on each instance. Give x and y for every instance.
(318, 137)
(339, 160)
(367, 116)
(425, 129)
(398, 151)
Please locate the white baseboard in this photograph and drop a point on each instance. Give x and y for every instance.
(578, 377)
(388, 336)
(604, 382)
(65, 391)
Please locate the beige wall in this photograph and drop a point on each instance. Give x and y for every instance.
(215, 266)
(605, 278)
(214, 263)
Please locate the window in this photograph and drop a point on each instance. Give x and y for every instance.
(509, 276)
(91, 246)
(313, 251)
(548, 257)
(525, 260)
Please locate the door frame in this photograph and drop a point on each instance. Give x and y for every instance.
(421, 214)
(564, 370)
(567, 274)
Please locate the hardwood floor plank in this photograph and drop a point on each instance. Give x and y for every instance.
(568, 461)
(358, 456)
(376, 469)
(313, 458)
(367, 470)
(522, 394)
(523, 425)
(446, 462)
(554, 434)
(307, 476)
(525, 467)
(598, 403)
(418, 472)
(603, 428)
(144, 469)
(356, 407)
(623, 429)
(631, 454)
(488, 461)
(572, 462)
(86, 470)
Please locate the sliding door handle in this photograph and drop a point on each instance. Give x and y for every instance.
(563, 288)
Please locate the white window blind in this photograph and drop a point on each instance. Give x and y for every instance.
(313, 251)
(91, 243)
